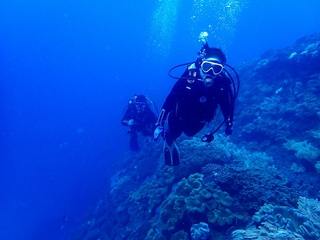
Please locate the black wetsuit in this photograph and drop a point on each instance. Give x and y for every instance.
(191, 105)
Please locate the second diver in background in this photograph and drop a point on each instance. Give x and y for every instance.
(140, 118)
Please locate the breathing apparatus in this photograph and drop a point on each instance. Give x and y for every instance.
(208, 79)
(153, 106)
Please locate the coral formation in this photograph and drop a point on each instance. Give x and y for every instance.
(200, 231)
(260, 183)
(283, 222)
(303, 149)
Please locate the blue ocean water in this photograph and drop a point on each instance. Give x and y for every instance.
(67, 70)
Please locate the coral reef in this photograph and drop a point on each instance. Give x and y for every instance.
(200, 231)
(259, 183)
(193, 201)
(303, 149)
(283, 222)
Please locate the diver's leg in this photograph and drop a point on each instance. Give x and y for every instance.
(175, 126)
(170, 150)
(134, 145)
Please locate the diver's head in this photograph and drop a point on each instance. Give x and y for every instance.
(208, 52)
(140, 103)
(210, 68)
(211, 62)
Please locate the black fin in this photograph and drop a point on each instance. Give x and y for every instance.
(167, 156)
(171, 154)
(175, 157)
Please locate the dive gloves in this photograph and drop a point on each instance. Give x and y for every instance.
(158, 132)
(229, 128)
(130, 122)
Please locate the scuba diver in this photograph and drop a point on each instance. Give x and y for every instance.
(140, 118)
(194, 99)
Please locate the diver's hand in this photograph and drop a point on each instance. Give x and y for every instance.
(207, 138)
(130, 122)
(158, 132)
(229, 129)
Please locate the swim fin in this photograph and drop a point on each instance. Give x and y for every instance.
(171, 153)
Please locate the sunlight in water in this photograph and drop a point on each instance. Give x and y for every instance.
(217, 17)
(163, 27)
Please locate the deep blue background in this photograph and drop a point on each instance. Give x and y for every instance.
(67, 69)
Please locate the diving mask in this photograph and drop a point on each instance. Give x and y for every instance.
(211, 65)
(140, 106)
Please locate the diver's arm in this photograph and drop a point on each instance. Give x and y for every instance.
(227, 105)
(172, 98)
(171, 101)
(127, 116)
(162, 117)
(125, 122)
(166, 108)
